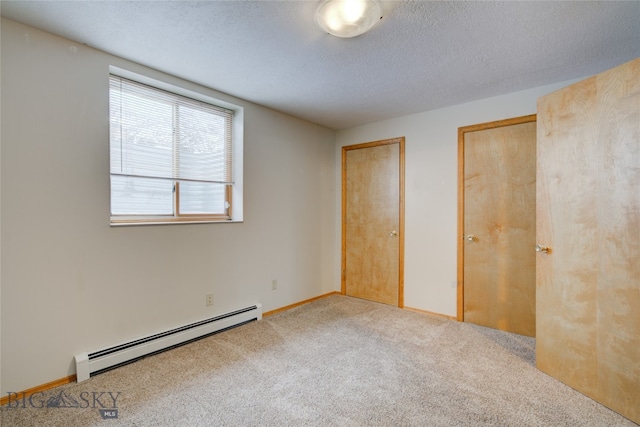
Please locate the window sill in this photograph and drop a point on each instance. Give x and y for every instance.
(129, 222)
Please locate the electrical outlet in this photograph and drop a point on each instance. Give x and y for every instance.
(274, 284)
(209, 300)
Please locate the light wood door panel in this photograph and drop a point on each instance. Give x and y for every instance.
(499, 164)
(588, 285)
(372, 221)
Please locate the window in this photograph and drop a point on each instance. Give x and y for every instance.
(171, 156)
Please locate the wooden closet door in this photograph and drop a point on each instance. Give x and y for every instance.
(372, 240)
(588, 215)
(498, 272)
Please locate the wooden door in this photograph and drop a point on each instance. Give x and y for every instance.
(373, 221)
(588, 283)
(497, 225)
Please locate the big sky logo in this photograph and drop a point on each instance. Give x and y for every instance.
(106, 402)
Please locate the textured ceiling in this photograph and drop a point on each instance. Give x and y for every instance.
(422, 55)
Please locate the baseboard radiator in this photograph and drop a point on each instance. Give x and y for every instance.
(88, 364)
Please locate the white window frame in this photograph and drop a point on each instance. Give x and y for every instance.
(235, 190)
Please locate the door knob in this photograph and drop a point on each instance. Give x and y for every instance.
(394, 233)
(542, 248)
(471, 238)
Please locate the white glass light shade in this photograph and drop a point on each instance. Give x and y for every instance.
(348, 18)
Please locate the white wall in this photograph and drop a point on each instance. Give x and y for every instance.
(0, 222)
(71, 283)
(432, 188)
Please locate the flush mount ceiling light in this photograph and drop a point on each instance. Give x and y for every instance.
(348, 18)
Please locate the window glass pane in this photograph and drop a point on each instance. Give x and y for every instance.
(141, 196)
(202, 198)
(141, 135)
(202, 144)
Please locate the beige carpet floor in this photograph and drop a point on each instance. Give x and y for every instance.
(338, 361)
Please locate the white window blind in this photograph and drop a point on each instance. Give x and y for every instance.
(170, 155)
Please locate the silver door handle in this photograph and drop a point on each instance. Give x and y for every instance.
(394, 233)
(542, 248)
(471, 238)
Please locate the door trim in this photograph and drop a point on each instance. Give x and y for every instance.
(461, 133)
(400, 142)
